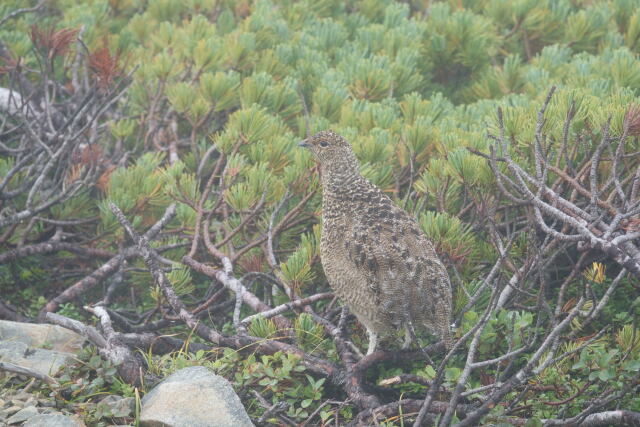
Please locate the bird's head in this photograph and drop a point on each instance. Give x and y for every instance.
(332, 151)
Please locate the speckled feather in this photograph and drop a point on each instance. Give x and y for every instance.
(374, 254)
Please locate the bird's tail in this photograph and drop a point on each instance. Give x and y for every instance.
(443, 317)
(447, 338)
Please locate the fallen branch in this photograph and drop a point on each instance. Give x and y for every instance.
(8, 312)
(103, 272)
(50, 247)
(288, 306)
(21, 370)
(235, 286)
(612, 418)
(312, 363)
(129, 367)
(403, 409)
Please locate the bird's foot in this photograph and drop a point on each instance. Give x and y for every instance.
(355, 350)
(373, 341)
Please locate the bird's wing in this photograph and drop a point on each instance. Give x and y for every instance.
(369, 251)
(402, 268)
(432, 288)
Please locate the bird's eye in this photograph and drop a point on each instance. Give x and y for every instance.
(323, 143)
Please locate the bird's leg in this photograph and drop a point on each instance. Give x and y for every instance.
(341, 325)
(355, 349)
(408, 338)
(373, 341)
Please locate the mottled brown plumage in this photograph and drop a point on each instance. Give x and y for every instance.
(375, 256)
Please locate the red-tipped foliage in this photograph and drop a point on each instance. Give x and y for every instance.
(632, 119)
(9, 63)
(105, 65)
(53, 43)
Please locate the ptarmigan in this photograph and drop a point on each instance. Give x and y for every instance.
(375, 256)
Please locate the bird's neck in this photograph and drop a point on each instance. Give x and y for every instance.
(340, 180)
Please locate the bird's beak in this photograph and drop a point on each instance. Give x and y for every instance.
(303, 143)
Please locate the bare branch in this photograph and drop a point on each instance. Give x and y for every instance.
(22, 370)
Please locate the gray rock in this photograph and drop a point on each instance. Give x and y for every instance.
(46, 403)
(3, 415)
(12, 409)
(44, 361)
(193, 397)
(44, 348)
(23, 415)
(51, 337)
(53, 420)
(49, 411)
(8, 412)
(119, 406)
(20, 395)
